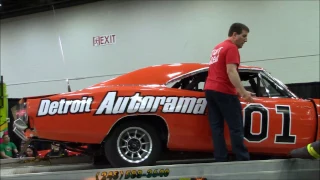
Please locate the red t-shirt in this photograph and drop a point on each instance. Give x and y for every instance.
(224, 53)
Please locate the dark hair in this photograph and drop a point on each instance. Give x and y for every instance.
(237, 27)
(5, 134)
(35, 152)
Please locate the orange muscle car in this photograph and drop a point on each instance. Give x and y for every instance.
(133, 117)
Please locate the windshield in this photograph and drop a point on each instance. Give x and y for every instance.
(280, 83)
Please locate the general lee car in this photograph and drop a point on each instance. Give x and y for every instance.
(134, 117)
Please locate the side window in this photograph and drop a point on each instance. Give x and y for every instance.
(271, 89)
(201, 85)
(251, 82)
(193, 82)
(259, 84)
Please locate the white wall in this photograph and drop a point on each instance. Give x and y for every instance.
(154, 32)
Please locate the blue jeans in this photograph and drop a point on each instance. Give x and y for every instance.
(226, 107)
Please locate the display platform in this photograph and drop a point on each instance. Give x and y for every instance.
(293, 169)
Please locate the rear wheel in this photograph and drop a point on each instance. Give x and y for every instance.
(133, 144)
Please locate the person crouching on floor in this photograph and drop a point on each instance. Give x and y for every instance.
(57, 151)
(30, 152)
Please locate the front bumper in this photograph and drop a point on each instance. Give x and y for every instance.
(19, 127)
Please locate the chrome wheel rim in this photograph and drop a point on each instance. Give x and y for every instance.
(134, 145)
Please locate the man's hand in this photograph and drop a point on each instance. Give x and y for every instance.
(236, 81)
(247, 96)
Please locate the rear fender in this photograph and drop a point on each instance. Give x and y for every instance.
(23, 110)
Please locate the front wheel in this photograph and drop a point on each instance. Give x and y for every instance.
(133, 144)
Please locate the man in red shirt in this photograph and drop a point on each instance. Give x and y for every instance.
(222, 88)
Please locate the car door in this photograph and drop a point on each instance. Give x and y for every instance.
(276, 122)
(193, 130)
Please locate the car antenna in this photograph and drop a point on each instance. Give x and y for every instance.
(69, 87)
(61, 49)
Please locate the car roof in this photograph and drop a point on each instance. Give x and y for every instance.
(160, 74)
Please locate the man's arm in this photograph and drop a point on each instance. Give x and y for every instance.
(3, 155)
(236, 81)
(15, 149)
(232, 61)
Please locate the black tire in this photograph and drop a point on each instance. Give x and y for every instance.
(113, 155)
